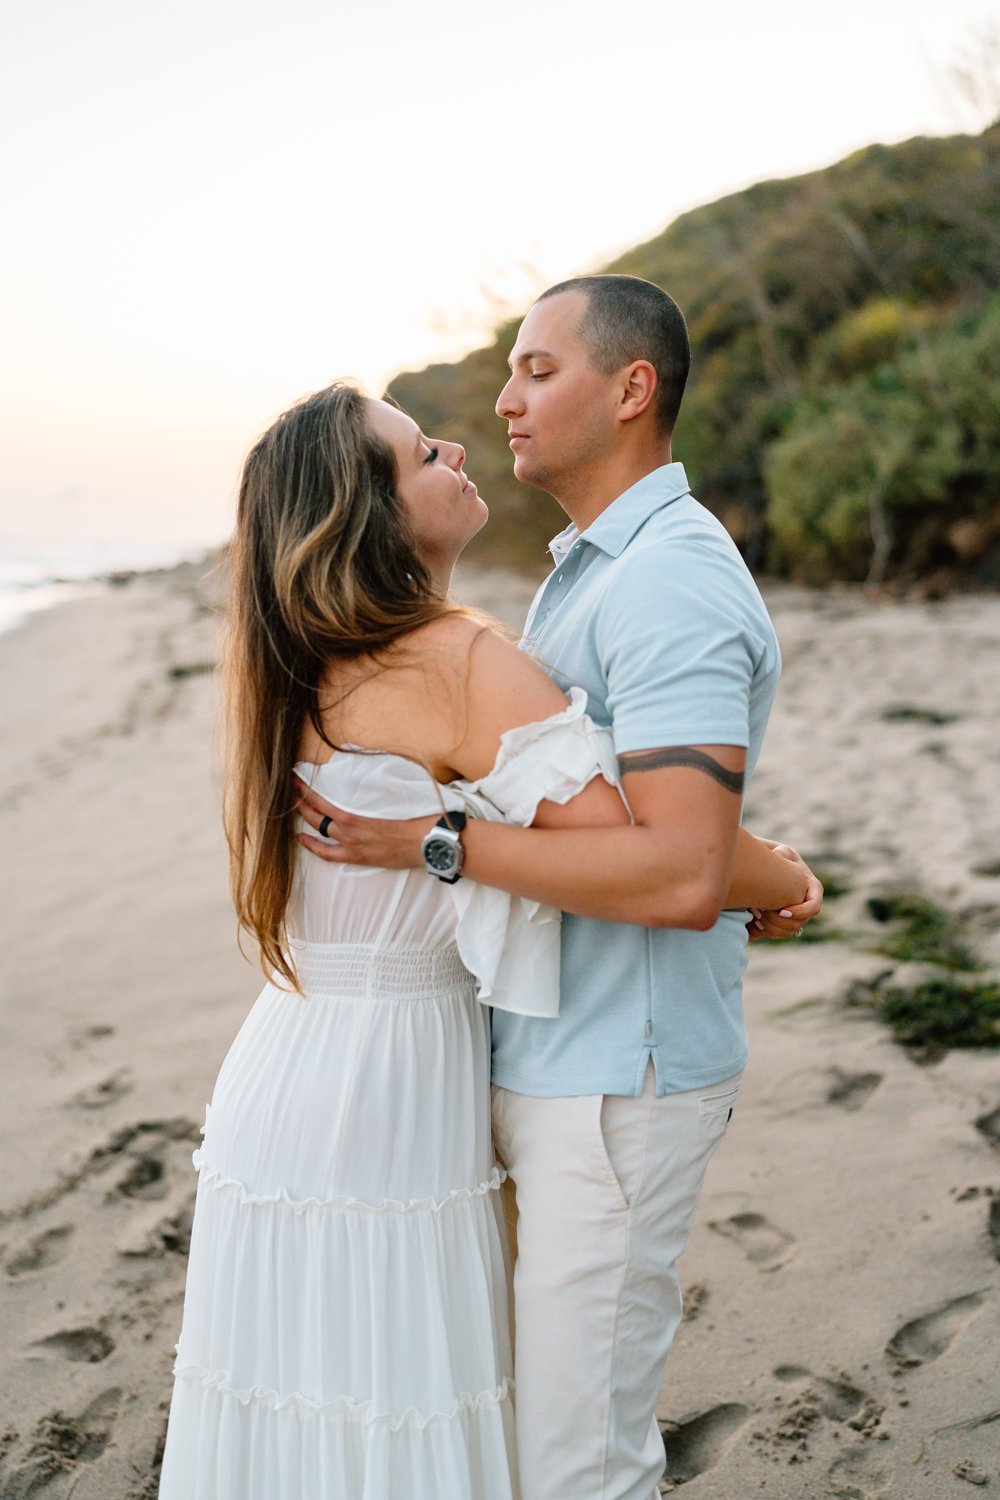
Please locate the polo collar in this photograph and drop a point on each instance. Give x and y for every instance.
(617, 525)
(562, 545)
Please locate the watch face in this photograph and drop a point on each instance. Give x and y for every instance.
(440, 856)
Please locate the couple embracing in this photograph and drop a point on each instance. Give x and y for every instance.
(500, 871)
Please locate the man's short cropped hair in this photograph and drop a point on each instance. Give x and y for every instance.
(627, 318)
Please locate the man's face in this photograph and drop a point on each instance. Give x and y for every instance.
(559, 409)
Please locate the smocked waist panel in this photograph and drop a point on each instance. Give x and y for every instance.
(362, 970)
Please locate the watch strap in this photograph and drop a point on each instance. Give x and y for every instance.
(454, 822)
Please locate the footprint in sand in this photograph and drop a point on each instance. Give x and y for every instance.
(763, 1243)
(993, 1226)
(168, 1235)
(156, 1132)
(116, 1086)
(926, 1338)
(174, 1233)
(838, 1400)
(697, 1444)
(142, 1145)
(146, 1146)
(695, 1298)
(80, 1345)
(59, 1443)
(851, 1090)
(858, 1475)
(45, 1249)
(810, 1089)
(989, 1125)
(145, 1177)
(82, 1036)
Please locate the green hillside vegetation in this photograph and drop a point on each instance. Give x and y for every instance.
(842, 415)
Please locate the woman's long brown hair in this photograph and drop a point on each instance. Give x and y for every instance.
(323, 569)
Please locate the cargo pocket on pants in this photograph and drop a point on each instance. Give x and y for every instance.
(718, 1102)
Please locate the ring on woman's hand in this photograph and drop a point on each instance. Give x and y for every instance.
(324, 827)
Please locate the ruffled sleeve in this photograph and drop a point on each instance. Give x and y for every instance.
(509, 943)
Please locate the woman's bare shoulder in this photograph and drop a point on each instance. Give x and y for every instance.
(504, 689)
(474, 654)
(451, 634)
(443, 695)
(410, 698)
(500, 666)
(480, 671)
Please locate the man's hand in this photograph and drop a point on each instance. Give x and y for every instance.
(790, 921)
(383, 842)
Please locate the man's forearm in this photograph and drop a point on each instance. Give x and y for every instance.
(762, 878)
(628, 874)
(677, 874)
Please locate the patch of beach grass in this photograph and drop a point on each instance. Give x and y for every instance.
(909, 713)
(923, 931)
(942, 1013)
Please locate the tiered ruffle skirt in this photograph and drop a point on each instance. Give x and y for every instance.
(346, 1328)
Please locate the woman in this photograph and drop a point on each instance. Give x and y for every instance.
(345, 1326)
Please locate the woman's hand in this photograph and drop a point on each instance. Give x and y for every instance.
(382, 842)
(790, 920)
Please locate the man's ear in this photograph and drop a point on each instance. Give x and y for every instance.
(638, 386)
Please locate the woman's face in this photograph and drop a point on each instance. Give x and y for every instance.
(441, 504)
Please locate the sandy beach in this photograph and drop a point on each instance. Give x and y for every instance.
(843, 1287)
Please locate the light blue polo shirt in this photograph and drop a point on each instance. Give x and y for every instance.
(653, 612)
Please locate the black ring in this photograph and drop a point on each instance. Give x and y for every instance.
(324, 827)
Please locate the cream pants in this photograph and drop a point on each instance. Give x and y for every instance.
(606, 1190)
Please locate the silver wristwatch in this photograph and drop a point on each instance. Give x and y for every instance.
(442, 847)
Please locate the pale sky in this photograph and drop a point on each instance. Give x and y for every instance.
(213, 207)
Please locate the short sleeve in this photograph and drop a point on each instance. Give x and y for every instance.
(511, 944)
(678, 654)
(549, 761)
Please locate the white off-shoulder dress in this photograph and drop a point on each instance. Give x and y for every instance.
(346, 1326)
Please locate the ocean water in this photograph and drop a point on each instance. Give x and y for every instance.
(38, 578)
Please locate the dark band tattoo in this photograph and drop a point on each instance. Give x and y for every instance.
(681, 755)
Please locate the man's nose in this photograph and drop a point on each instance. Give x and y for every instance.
(507, 403)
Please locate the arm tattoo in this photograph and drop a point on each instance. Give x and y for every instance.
(681, 755)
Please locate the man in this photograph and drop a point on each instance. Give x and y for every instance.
(607, 1117)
